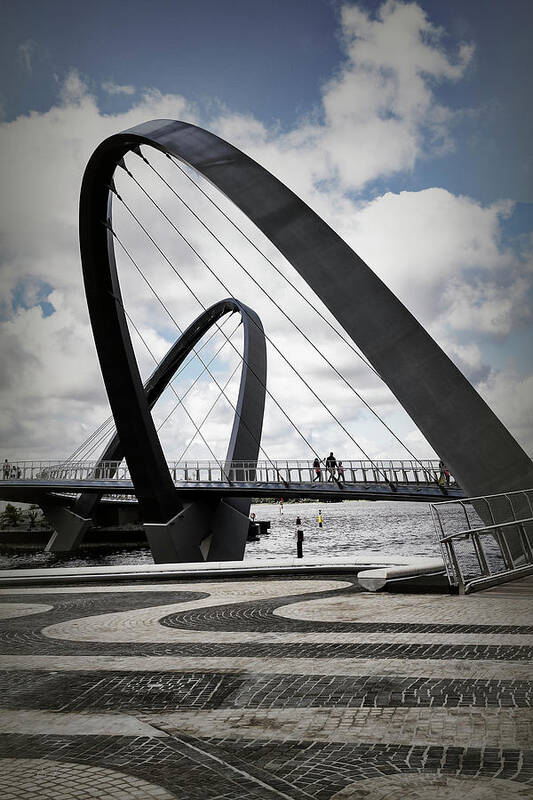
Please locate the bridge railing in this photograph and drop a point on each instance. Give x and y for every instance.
(347, 471)
(57, 470)
(300, 471)
(486, 540)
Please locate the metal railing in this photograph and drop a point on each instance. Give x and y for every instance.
(283, 472)
(72, 470)
(486, 540)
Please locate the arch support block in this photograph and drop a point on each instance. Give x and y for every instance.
(200, 532)
(69, 528)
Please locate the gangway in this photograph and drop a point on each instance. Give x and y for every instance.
(487, 540)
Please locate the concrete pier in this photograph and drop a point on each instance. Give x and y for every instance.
(374, 566)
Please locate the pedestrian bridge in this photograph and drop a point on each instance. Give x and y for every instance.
(199, 510)
(351, 479)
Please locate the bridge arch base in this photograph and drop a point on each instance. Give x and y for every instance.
(201, 532)
(211, 529)
(69, 528)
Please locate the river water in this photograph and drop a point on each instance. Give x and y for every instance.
(398, 528)
(392, 527)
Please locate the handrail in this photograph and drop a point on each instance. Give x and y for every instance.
(486, 497)
(502, 548)
(485, 528)
(285, 472)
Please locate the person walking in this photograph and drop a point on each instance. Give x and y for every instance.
(318, 471)
(331, 465)
(6, 469)
(340, 471)
(444, 474)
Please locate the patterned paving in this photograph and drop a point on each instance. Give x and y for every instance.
(273, 688)
(27, 777)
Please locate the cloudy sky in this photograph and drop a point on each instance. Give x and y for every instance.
(407, 126)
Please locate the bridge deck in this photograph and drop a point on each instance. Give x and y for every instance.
(19, 489)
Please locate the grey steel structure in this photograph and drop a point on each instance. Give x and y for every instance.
(219, 525)
(478, 449)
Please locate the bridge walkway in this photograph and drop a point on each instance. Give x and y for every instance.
(30, 490)
(352, 479)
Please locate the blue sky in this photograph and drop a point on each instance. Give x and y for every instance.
(269, 59)
(279, 78)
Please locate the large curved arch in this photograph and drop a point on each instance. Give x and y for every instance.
(245, 438)
(455, 420)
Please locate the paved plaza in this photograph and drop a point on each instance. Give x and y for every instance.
(277, 687)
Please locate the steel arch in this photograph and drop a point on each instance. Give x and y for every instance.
(248, 420)
(463, 430)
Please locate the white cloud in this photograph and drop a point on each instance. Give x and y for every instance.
(441, 254)
(380, 111)
(379, 114)
(117, 88)
(26, 51)
(509, 395)
(487, 306)
(48, 365)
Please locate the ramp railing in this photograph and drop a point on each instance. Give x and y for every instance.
(486, 540)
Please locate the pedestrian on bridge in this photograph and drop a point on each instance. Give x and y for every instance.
(340, 471)
(6, 469)
(318, 470)
(444, 476)
(331, 465)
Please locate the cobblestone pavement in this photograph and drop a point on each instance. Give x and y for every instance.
(271, 688)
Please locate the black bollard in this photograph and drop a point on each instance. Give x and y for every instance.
(299, 543)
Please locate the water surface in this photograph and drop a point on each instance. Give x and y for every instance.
(393, 527)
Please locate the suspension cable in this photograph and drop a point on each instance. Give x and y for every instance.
(280, 272)
(198, 431)
(209, 412)
(193, 384)
(138, 153)
(104, 429)
(76, 455)
(226, 289)
(199, 301)
(124, 248)
(105, 436)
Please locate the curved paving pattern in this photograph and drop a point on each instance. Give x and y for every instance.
(10, 610)
(50, 780)
(321, 614)
(426, 609)
(295, 688)
(428, 787)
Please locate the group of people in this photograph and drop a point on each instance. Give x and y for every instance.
(9, 471)
(334, 469)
